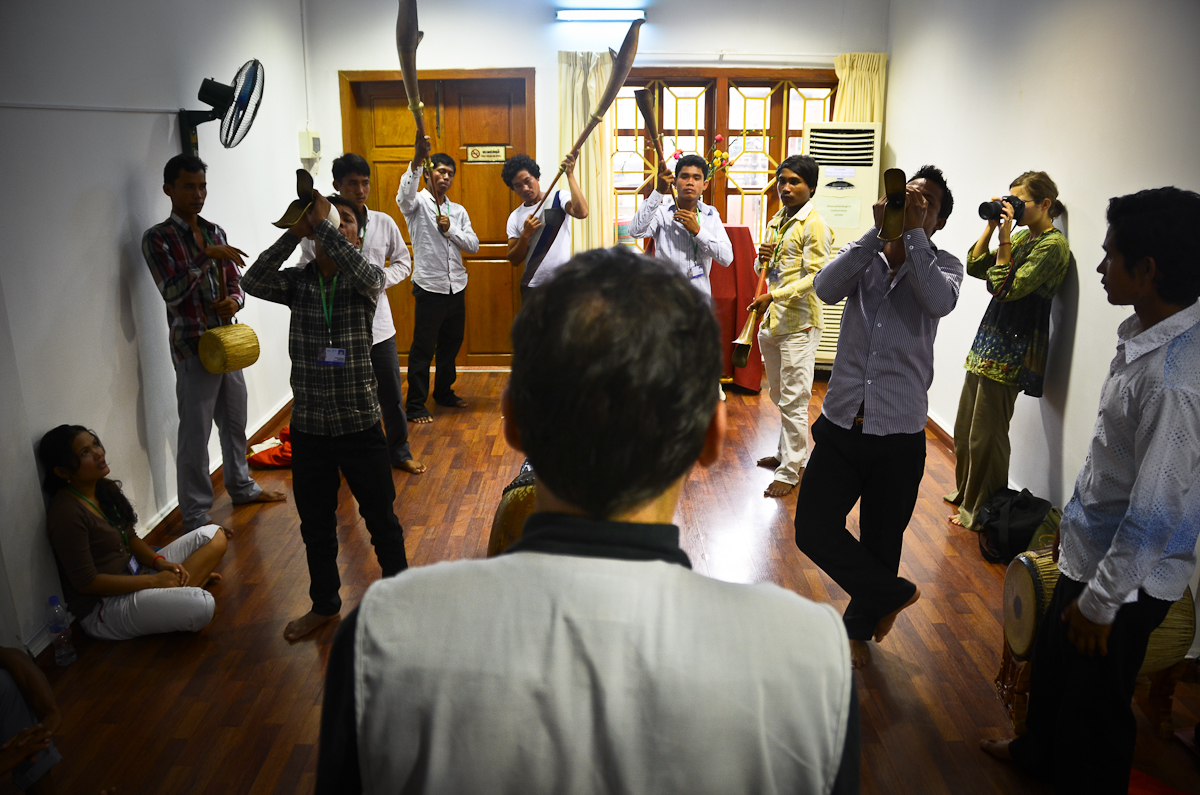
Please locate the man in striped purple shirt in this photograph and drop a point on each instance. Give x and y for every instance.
(870, 438)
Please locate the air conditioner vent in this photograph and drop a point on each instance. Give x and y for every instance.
(843, 147)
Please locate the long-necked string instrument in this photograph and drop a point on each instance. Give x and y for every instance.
(407, 39)
(645, 103)
(622, 63)
(745, 340)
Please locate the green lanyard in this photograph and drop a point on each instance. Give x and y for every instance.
(124, 537)
(327, 306)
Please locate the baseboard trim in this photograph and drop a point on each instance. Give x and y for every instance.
(939, 433)
(168, 521)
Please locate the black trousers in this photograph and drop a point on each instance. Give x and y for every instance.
(438, 325)
(883, 474)
(386, 364)
(318, 463)
(1080, 726)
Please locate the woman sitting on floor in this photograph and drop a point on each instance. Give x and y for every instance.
(114, 582)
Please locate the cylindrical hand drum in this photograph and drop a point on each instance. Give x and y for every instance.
(227, 348)
(516, 503)
(1028, 587)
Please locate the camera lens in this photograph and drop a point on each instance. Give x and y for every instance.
(991, 211)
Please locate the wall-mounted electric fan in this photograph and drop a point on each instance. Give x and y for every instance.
(235, 105)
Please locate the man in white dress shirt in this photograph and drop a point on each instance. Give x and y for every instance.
(382, 246)
(440, 231)
(689, 234)
(1128, 535)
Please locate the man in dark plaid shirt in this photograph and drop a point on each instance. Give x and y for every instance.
(196, 270)
(335, 413)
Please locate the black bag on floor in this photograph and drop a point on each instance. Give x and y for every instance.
(1007, 522)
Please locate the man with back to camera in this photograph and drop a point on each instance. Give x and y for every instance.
(869, 442)
(335, 413)
(602, 663)
(1128, 535)
(521, 174)
(797, 248)
(440, 231)
(381, 244)
(688, 234)
(196, 270)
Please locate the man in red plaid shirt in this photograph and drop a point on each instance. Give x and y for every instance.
(196, 270)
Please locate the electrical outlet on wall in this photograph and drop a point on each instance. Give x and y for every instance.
(310, 150)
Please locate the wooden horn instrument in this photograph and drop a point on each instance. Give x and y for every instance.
(645, 103)
(745, 340)
(408, 37)
(622, 63)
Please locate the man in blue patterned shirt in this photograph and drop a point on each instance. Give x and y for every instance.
(1128, 535)
(336, 427)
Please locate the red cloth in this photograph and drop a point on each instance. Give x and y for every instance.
(278, 457)
(733, 290)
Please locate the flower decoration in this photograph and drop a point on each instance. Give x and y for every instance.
(717, 158)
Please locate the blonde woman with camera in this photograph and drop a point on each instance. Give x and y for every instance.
(1023, 274)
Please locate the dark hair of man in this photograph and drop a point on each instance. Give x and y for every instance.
(180, 163)
(515, 165)
(360, 214)
(614, 379)
(692, 160)
(55, 450)
(443, 159)
(1160, 223)
(803, 167)
(348, 164)
(934, 174)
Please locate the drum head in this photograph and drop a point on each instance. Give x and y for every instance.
(1021, 595)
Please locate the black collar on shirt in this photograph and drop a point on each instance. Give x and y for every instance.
(563, 534)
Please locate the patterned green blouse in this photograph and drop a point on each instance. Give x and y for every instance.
(1014, 335)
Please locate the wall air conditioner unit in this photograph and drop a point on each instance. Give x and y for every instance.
(847, 188)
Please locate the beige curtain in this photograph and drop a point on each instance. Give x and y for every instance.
(862, 81)
(582, 77)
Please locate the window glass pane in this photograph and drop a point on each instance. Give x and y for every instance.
(816, 93)
(683, 108)
(690, 144)
(628, 117)
(746, 210)
(748, 107)
(815, 110)
(795, 145)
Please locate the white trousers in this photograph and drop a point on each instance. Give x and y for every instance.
(788, 360)
(156, 610)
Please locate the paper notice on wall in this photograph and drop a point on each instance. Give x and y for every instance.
(839, 211)
(840, 172)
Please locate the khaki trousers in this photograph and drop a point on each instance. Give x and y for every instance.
(981, 446)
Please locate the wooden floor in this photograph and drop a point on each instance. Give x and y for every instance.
(236, 709)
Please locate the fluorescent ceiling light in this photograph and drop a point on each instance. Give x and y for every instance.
(601, 15)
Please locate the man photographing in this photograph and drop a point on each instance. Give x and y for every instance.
(689, 234)
(335, 413)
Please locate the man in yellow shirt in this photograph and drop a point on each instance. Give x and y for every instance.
(798, 245)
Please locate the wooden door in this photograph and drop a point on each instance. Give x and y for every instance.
(462, 108)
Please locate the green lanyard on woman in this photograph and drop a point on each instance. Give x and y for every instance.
(120, 529)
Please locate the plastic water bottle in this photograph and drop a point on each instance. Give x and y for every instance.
(60, 631)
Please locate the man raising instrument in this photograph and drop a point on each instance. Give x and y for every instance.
(689, 234)
(520, 174)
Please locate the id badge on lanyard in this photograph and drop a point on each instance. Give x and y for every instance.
(330, 356)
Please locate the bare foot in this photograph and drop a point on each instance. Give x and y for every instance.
(412, 467)
(457, 403)
(770, 462)
(954, 520)
(778, 489)
(267, 496)
(860, 654)
(213, 579)
(428, 418)
(997, 748)
(228, 533)
(884, 626)
(305, 624)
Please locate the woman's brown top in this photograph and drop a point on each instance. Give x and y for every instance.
(85, 545)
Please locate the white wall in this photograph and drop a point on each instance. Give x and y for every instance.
(1101, 94)
(83, 332)
(476, 34)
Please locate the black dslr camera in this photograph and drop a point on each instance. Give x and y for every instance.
(994, 211)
